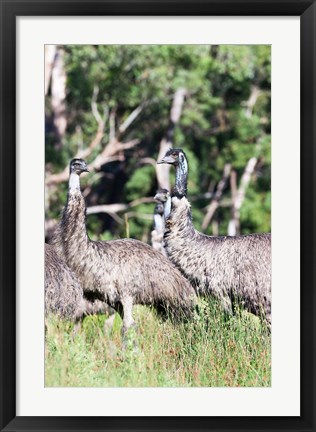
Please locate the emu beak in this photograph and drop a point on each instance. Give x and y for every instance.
(167, 160)
(86, 169)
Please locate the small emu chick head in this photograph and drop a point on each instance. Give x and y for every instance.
(162, 195)
(173, 157)
(78, 166)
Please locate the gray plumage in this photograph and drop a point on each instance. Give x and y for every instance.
(63, 292)
(94, 306)
(120, 272)
(229, 268)
(162, 197)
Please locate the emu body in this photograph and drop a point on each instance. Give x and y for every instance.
(229, 268)
(63, 292)
(120, 272)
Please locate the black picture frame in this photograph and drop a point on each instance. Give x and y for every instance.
(9, 10)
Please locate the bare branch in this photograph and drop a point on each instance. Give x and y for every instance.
(145, 200)
(140, 215)
(245, 179)
(83, 153)
(94, 106)
(112, 125)
(239, 197)
(177, 105)
(233, 226)
(116, 208)
(206, 195)
(250, 103)
(109, 154)
(112, 152)
(133, 115)
(149, 161)
(217, 196)
(130, 144)
(116, 217)
(107, 208)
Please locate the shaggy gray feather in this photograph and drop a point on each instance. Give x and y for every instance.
(120, 272)
(63, 292)
(229, 268)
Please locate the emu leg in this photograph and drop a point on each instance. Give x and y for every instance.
(126, 312)
(128, 320)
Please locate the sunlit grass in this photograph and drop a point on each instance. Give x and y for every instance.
(212, 350)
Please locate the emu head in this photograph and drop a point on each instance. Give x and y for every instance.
(164, 200)
(78, 166)
(178, 158)
(174, 157)
(162, 195)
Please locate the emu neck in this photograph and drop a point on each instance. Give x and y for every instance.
(74, 183)
(159, 223)
(180, 189)
(179, 225)
(167, 208)
(74, 220)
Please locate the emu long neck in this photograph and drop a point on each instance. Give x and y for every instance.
(179, 225)
(74, 215)
(159, 223)
(167, 208)
(180, 189)
(74, 183)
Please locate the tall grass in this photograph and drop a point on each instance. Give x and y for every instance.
(212, 350)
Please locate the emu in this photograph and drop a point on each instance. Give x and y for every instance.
(63, 292)
(120, 272)
(161, 209)
(229, 268)
(64, 295)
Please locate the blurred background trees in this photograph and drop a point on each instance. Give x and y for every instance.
(119, 106)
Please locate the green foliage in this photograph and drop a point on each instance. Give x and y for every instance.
(138, 184)
(215, 127)
(212, 351)
(255, 211)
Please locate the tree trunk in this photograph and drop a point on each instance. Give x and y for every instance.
(238, 195)
(50, 52)
(233, 226)
(217, 197)
(162, 171)
(59, 97)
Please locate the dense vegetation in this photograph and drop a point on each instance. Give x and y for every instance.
(211, 351)
(225, 119)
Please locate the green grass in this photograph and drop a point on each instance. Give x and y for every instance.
(210, 351)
